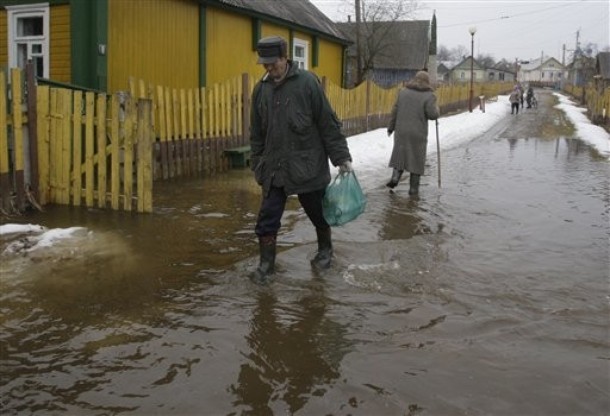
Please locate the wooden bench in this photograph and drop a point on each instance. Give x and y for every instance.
(239, 156)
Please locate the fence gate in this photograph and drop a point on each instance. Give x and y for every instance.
(94, 150)
(13, 147)
(82, 148)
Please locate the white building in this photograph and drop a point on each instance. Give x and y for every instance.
(543, 71)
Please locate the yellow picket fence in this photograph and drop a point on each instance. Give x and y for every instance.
(12, 173)
(94, 150)
(368, 106)
(105, 151)
(596, 99)
(195, 126)
(362, 108)
(84, 148)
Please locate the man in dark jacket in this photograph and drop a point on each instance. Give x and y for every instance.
(414, 106)
(293, 133)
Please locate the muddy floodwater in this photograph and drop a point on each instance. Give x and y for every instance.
(487, 296)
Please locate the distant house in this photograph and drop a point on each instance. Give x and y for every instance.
(391, 52)
(462, 71)
(100, 44)
(542, 71)
(602, 67)
(442, 72)
(501, 72)
(581, 70)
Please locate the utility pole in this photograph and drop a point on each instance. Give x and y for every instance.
(358, 44)
(472, 31)
(577, 61)
(432, 64)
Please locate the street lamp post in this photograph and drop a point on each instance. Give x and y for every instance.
(472, 31)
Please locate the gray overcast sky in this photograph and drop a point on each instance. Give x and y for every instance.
(515, 29)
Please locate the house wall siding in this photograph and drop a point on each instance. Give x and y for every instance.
(229, 46)
(137, 48)
(330, 62)
(59, 45)
(3, 39)
(270, 29)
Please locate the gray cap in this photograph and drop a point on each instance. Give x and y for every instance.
(270, 49)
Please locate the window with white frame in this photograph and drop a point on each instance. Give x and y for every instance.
(28, 37)
(300, 53)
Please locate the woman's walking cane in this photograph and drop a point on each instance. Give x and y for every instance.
(438, 155)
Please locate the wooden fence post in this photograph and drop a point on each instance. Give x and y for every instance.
(18, 148)
(64, 141)
(89, 147)
(115, 163)
(129, 127)
(77, 148)
(5, 186)
(32, 128)
(42, 112)
(145, 137)
(245, 107)
(163, 129)
(102, 161)
(368, 102)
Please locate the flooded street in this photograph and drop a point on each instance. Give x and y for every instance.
(487, 296)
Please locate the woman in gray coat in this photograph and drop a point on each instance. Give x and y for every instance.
(415, 105)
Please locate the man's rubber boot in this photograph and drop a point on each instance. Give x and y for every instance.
(325, 250)
(414, 184)
(266, 266)
(396, 175)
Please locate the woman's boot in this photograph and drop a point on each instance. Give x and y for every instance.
(396, 175)
(414, 184)
(266, 266)
(325, 249)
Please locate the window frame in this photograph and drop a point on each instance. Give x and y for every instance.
(14, 13)
(302, 62)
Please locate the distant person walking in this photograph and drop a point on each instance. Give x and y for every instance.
(414, 106)
(521, 100)
(529, 96)
(293, 133)
(515, 100)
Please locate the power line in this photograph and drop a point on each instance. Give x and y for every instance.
(510, 17)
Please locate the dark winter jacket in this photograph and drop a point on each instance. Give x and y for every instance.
(293, 133)
(414, 106)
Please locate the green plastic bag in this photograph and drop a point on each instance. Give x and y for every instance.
(344, 200)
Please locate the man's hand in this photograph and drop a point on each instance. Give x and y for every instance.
(345, 167)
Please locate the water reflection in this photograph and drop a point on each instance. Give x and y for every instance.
(295, 352)
(403, 217)
(512, 143)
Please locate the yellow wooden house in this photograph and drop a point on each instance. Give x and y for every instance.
(100, 44)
